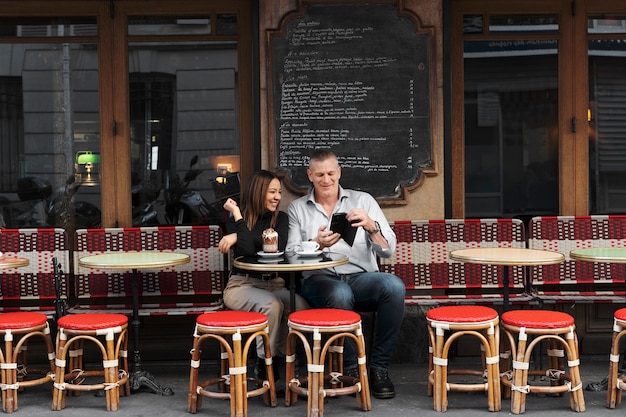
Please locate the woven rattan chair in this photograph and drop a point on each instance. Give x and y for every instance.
(447, 324)
(17, 329)
(327, 327)
(108, 332)
(557, 331)
(228, 328)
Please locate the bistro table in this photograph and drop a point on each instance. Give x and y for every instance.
(6, 262)
(291, 262)
(613, 255)
(508, 257)
(136, 261)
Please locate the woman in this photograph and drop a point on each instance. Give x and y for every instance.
(248, 291)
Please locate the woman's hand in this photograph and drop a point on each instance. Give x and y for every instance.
(227, 242)
(232, 207)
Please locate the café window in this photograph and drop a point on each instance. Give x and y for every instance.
(49, 117)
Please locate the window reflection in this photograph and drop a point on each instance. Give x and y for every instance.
(184, 126)
(511, 128)
(49, 113)
(607, 124)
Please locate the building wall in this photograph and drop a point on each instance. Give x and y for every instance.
(427, 200)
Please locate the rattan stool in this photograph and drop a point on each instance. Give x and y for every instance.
(557, 330)
(616, 383)
(334, 325)
(221, 326)
(73, 331)
(447, 324)
(24, 326)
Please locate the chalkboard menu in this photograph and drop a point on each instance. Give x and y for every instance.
(354, 78)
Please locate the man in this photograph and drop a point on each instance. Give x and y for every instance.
(357, 285)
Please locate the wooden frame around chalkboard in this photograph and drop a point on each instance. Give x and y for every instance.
(428, 169)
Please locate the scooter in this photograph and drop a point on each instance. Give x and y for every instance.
(33, 193)
(184, 205)
(62, 209)
(144, 199)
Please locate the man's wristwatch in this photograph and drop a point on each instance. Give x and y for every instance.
(377, 229)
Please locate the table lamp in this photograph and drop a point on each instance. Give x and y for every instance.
(87, 158)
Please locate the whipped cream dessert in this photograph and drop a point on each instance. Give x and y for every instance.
(270, 240)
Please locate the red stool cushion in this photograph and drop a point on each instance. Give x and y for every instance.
(324, 317)
(537, 319)
(620, 314)
(92, 321)
(21, 320)
(231, 318)
(462, 314)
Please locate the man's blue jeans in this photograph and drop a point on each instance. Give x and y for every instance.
(379, 292)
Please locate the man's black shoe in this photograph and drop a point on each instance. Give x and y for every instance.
(380, 384)
(259, 369)
(260, 372)
(352, 372)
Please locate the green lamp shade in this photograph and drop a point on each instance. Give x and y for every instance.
(87, 157)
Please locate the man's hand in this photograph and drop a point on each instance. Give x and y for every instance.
(227, 242)
(326, 238)
(359, 217)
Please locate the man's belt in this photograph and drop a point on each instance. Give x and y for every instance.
(262, 276)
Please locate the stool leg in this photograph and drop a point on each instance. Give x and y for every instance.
(238, 378)
(9, 375)
(269, 371)
(290, 363)
(58, 394)
(492, 363)
(123, 357)
(364, 395)
(440, 395)
(224, 367)
(577, 400)
(75, 361)
(507, 349)
(614, 393)
(112, 391)
(431, 368)
(192, 396)
(315, 384)
(520, 377)
(555, 359)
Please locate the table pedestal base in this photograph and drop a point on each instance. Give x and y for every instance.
(139, 378)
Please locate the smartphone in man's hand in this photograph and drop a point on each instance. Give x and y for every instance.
(340, 224)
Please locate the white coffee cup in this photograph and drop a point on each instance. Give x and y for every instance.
(309, 246)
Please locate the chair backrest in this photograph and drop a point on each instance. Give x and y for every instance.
(422, 259)
(565, 233)
(190, 288)
(32, 288)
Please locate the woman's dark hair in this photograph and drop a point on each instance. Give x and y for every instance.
(253, 198)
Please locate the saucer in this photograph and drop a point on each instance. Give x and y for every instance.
(308, 254)
(272, 260)
(269, 254)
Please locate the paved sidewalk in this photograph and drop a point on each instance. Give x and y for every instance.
(411, 399)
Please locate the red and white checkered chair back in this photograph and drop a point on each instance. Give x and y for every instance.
(422, 260)
(191, 288)
(32, 288)
(578, 281)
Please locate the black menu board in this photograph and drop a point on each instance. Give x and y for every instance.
(354, 78)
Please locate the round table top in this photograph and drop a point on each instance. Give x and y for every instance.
(507, 256)
(290, 262)
(6, 262)
(133, 260)
(615, 255)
